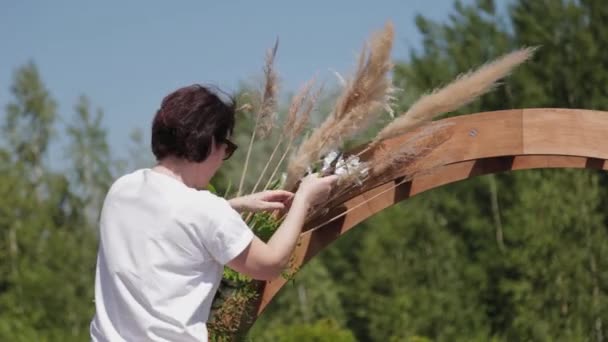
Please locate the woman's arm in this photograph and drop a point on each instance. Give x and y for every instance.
(266, 261)
(261, 201)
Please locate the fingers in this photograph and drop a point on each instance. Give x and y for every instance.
(274, 206)
(269, 206)
(331, 179)
(282, 193)
(277, 195)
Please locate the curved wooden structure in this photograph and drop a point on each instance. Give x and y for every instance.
(481, 144)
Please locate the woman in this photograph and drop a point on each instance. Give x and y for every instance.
(164, 241)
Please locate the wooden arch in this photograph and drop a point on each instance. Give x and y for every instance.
(482, 143)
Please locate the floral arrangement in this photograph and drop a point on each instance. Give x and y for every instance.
(365, 95)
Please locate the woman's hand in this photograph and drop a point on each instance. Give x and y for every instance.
(316, 189)
(266, 261)
(262, 201)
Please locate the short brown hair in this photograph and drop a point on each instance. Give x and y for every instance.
(189, 120)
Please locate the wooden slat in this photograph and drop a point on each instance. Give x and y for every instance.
(567, 132)
(481, 144)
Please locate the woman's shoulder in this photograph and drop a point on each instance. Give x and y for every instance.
(124, 180)
(213, 203)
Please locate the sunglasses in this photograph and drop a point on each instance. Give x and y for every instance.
(230, 148)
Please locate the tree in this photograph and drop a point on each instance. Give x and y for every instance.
(92, 165)
(311, 298)
(526, 250)
(47, 242)
(29, 120)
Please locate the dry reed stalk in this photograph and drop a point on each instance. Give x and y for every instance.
(329, 135)
(370, 82)
(289, 127)
(268, 108)
(462, 91)
(417, 146)
(363, 98)
(320, 225)
(264, 119)
(383, 162)
(304, 116)
(297, 107)
(298, 128)
(414, 171)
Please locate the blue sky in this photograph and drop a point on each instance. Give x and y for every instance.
(126, 55)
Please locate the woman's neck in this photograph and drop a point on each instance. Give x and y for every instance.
(191, 174)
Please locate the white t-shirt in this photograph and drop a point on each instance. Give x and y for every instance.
(161, 254)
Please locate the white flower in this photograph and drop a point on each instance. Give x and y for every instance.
(349, 169)
(352, 168)
(328, 159)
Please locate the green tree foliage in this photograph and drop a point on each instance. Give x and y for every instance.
(312, 294)
(47, 244)
(28, 124)
(320, 331)
(89, 152)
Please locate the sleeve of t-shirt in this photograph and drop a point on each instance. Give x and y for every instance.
(229, 235)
